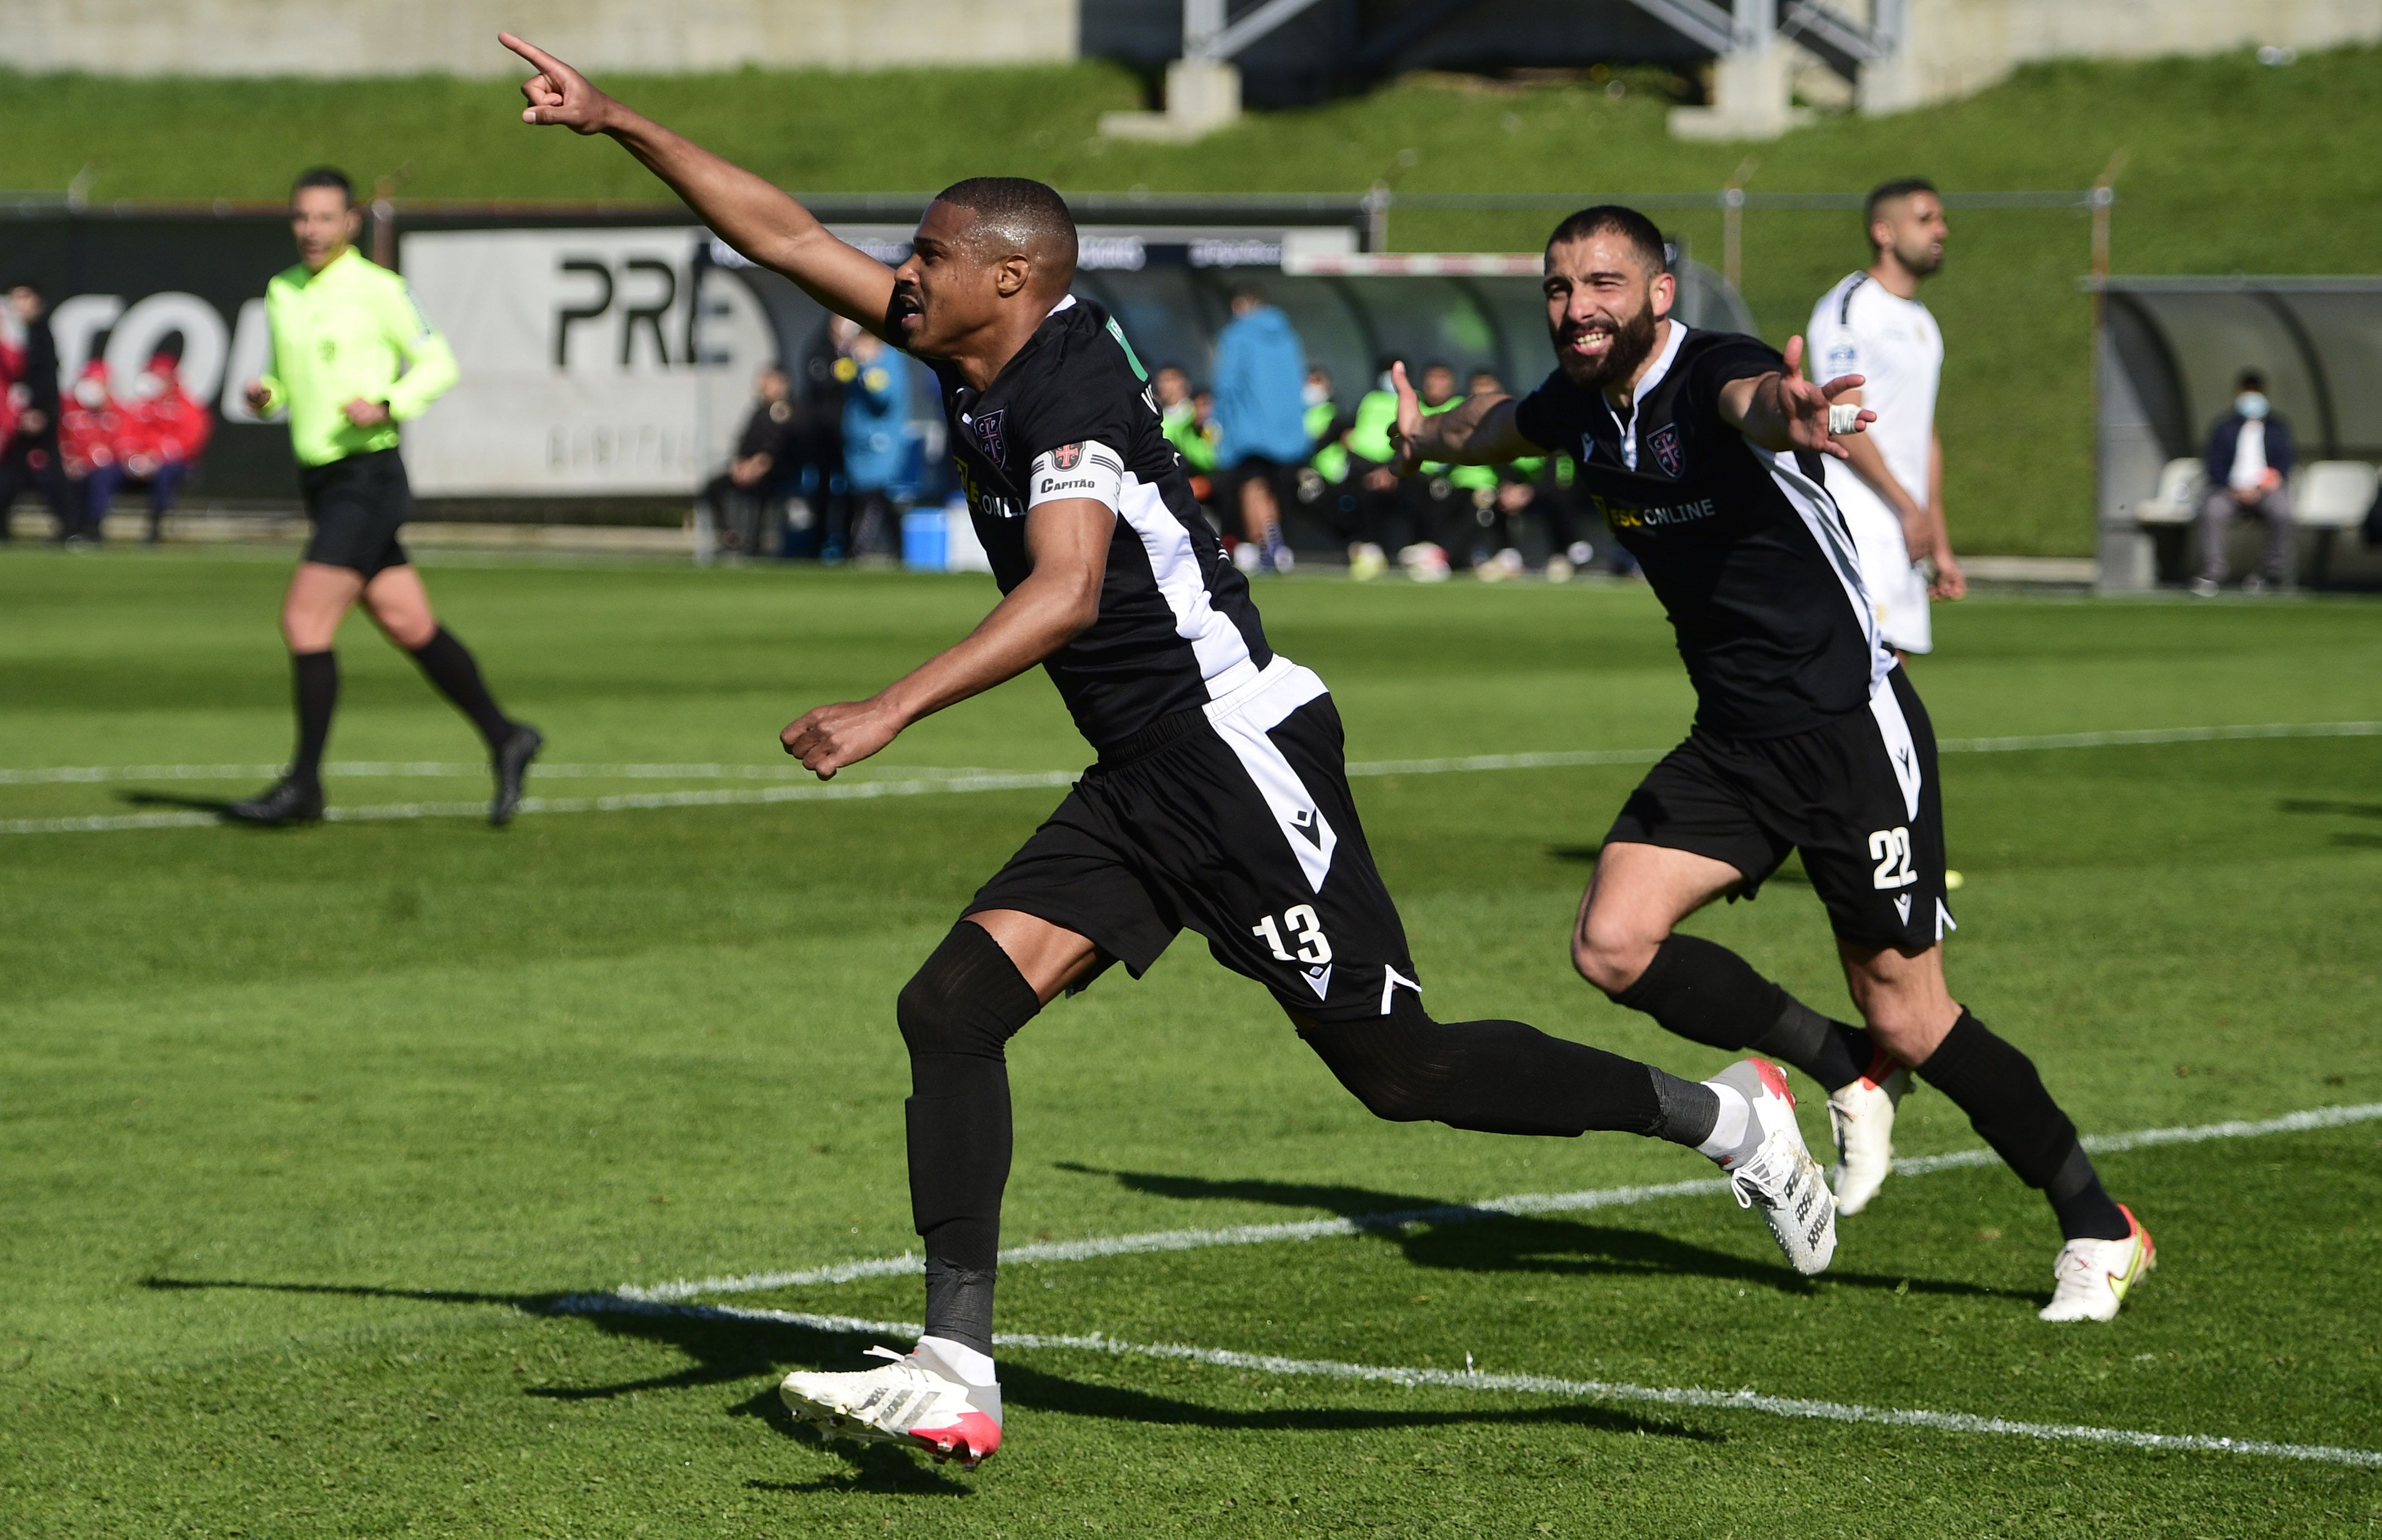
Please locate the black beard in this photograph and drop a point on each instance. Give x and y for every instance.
(1631, 344)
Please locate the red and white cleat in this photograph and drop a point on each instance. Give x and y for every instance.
(1773, 1169)
(2092, 1276)
(1861, 1117)
(917, 1401)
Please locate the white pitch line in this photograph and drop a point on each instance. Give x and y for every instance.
(931, 782)
(1751, 1400)
(434, 769)
(1093, 1247)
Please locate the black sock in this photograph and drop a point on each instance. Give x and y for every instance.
(449, 665)
(1707, 994)
(1999, 1089)
(2085, 1209)
(316, 677)
(1491, 1077)
(956, 1014)
(1690, 1108)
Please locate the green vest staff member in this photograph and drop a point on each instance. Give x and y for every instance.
(353, 359)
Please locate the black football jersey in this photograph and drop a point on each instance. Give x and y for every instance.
(1745, 548)
(1071, 416)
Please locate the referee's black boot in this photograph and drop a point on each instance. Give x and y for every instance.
(512, 761)
(288, 800)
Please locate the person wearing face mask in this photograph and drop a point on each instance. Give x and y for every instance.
(2249, 459)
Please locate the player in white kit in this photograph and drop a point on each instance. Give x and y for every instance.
(1892, 492)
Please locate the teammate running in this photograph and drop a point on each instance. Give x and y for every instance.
(1703, 451)
(353, 359)
(1220, 803)
(1872, 325)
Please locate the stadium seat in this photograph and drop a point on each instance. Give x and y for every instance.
(2181, 485)
(2329, 497)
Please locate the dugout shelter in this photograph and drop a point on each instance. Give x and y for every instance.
(2168, 352)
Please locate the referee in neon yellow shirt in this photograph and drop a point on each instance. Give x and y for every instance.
(353, 359)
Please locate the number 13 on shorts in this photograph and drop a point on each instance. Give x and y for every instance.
(1305, 931)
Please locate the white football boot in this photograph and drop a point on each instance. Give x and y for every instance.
(2093, 1277)
(916, 1400)
(1861, 1117)
(1773, 1169)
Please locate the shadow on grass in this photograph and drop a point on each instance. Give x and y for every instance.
(220, 806)
(724, 1346)
(1484, 1241)
(2311, 804)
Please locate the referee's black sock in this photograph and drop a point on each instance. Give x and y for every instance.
(1999, 1088)
(315, 676)
(956, 1015)
(449, 665)
(1703, 991)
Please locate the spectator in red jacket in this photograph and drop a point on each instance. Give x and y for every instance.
(89, 424)
(163, 433)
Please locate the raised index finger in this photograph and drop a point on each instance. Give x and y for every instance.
(534, 54)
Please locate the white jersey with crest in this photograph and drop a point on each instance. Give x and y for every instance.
(1860, 328)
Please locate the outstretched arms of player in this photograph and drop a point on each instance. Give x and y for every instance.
(1480, 431)
(1068, 541)
(746, 212)
(1784, 411)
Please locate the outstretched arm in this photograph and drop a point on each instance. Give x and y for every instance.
(1479, 432)
(747, 212)
(1784, 411)
(1068, 541)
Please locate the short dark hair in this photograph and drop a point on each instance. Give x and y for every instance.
(1613, 219)
(325, 175)
(1886, 192)
(1022, 211)
(1430, 365)
(1250, 290)
(2250, 379)
(23, 280)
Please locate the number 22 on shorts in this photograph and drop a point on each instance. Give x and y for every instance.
(1891, 849)
(1306, 929)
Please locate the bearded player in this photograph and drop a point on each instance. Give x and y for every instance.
(1808, 735)
(1220, 803)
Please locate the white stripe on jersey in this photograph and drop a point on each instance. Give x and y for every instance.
(1821, 516)
(1242, 719)
(1216, 643)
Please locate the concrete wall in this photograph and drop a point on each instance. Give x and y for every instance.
(404, 37)
(1955, 47)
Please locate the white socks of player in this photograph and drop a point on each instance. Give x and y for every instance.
(972, 1367)
(1728, 1134)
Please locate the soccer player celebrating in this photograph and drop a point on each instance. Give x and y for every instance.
(1872, 325)
(1704, 452)
(1220, 803)
(353, 359)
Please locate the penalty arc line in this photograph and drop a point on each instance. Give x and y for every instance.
(1092, 1248)
(931, 782)
(596, 1305)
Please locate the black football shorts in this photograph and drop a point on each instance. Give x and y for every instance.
(1858, 796)
(357, 506)
(1234, 822)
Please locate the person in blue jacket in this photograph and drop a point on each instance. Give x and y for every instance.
(876, 456)
(2249, 461)
(1261, 382)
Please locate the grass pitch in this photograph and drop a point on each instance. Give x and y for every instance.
(305, 1132)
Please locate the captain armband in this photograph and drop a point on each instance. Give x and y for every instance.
(1089, 469)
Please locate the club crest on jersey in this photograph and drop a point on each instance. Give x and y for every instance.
(989, 436)
(1665, 442)
(1066, 455)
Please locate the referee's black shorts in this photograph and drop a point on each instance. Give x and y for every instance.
(1857, 795)
(357, 506)
(1236, 823)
